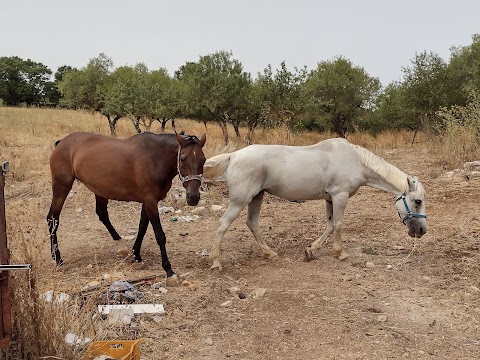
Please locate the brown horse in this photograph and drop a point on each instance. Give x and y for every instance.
(140, 168)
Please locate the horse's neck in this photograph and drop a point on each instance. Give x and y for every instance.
(382, 175)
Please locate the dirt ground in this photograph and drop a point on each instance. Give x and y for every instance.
(420, 300)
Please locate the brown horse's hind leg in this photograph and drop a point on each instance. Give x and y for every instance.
(142, 229)
(102, 212)
(60, 192)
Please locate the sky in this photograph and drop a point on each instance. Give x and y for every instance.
(379, 35)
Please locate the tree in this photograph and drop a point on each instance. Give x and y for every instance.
(464, 71)
(23, 81)
(281, 94)
(52, 93)
(214, 87)
(342, 91)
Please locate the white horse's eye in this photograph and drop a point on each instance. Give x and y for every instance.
(418, 202)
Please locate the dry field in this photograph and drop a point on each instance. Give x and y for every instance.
(420, 299)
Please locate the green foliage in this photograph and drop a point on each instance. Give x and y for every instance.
(23, 81)
(426, 84)
(341, 90)
(86, 88)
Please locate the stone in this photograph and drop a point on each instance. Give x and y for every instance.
(226, 303)
(472, 166)
(369, 265)
(198, 210)
(381, 318)
(209, 341)
(78, 210)
(165, 210)
(73, 339)
(234, 290)
(259, 292)
(129, 237)
(204, 252)
(389, 267)
(217, 207)
(158, 285)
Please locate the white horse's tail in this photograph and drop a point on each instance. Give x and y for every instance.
(216, 166)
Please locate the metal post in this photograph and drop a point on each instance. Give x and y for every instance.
(5, 301)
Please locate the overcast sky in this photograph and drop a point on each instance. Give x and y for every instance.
(381, 36)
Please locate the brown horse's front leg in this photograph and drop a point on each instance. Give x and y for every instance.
(152, 213)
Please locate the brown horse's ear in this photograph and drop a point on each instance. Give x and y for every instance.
(203, 139)
(180, 140)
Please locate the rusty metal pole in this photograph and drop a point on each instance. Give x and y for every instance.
(5, 301)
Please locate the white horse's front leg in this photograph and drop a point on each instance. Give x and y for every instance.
(310, 251)
(225, 221)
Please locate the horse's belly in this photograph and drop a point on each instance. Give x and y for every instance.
(298, 189)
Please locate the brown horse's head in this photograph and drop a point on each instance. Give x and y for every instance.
(190, 165)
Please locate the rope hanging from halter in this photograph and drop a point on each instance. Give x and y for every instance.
(184, 179)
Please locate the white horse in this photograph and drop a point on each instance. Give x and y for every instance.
(332, 170)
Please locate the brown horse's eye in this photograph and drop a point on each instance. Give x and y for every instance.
(418, 202)
(183, 158)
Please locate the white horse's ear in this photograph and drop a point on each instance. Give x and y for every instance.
(412, 183)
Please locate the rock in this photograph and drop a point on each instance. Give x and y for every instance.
(234, 290)
(132, 231)
(178, 211)
(198, 210)
(226, 303)
(89, 267)
(158, 285)
(187, 218)
(427, 278)
(78, 210)
(123, 251)
(163, 290)
(369, 265)
(209, 341)
(472, 166)
(389, 267)
(183, 233)
(204, 252)
(165, 210)
(217, 207)
(129, 237)
(259, 292)
(381, 318)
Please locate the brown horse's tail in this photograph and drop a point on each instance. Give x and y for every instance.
(216, 166)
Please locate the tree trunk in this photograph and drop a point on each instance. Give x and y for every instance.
(251, 125)
(136, 124)
(164, 122)
(113, 124)
(338, 124)
(223, 125)
(237, 131)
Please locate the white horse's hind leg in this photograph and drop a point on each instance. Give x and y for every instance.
(225, 221)
(339, 203)
(309, 251)
(252, 223)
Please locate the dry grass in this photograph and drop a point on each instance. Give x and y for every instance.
(26, 140)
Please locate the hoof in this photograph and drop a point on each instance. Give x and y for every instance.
(270, 255)
(342, 256)
(173, 281)
(308, 254)
(216, 266)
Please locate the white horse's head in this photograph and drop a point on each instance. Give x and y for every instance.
(411, 208)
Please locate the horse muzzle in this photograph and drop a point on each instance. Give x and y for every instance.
(416, 228)
(193, 198)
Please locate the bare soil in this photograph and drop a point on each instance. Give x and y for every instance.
(421, 299)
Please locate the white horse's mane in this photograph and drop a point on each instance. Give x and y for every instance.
(387, 171)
